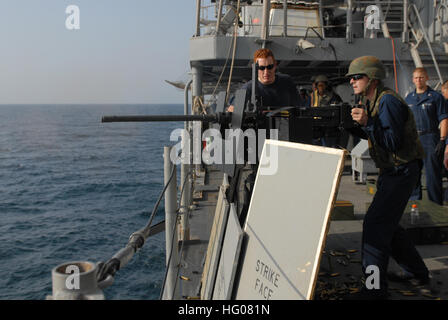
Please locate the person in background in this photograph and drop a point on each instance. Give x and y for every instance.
(431, 113)
(324, 96)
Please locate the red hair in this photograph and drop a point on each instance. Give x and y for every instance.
(264, 54)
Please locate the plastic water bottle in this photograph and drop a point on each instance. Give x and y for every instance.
(415, 215)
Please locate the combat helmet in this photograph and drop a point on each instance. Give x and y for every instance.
(369, 65)
(320, 78)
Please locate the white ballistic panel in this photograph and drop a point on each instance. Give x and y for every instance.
(287, 221)
(229, 257)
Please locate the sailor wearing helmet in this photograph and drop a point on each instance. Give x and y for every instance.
(389, 125)
(323, 95)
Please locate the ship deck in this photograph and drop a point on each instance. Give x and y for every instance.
(340, 267)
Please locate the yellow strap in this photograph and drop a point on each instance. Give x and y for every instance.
(315, 98)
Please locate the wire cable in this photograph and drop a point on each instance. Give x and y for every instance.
(395, 64)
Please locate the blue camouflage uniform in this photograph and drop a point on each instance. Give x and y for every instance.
(382, 234)
(429, 108)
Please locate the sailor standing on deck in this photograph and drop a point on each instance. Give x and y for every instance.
(430, 112)
(324, 96)
(388, 124)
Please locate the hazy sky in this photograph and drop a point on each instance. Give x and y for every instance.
(122, 53)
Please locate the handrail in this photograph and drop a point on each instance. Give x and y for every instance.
(211, 16)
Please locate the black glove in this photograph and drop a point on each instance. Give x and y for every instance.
(440, 149)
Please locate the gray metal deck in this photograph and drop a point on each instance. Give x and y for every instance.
(193, 251)
(340, 269)
(341, 265)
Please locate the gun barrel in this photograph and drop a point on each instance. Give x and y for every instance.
(156, 118)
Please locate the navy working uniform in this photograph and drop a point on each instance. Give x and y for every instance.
(382, 235)
(395, 148)
(429, 109)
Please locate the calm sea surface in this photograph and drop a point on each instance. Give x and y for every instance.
(73, 188)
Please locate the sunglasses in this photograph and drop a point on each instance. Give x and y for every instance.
(269, 67)
(357, 77)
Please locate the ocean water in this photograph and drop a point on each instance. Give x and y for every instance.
(73, 188)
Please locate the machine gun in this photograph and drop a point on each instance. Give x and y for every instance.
(292, 123)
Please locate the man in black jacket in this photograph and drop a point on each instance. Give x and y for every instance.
(274, 89)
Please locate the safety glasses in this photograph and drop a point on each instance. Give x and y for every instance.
(269, 67)
(357, 77)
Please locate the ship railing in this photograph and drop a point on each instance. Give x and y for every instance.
(286, 18)
(267, 19)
